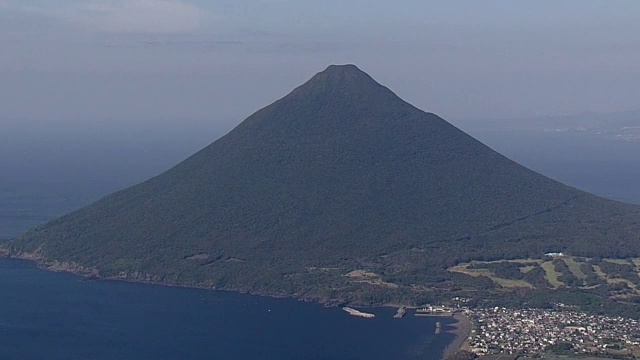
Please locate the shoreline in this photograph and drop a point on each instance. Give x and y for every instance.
(462, 331)
(93, 275)
(90, 274)
(461, 328)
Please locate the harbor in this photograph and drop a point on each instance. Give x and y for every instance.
(438, 311)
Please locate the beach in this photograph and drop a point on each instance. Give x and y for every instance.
(461, 329)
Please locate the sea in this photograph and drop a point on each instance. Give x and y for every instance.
(59, 316)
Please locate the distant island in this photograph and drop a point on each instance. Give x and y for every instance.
(341, 192)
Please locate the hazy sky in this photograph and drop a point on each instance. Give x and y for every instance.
(192, 61)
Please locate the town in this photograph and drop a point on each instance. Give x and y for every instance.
(535, 331)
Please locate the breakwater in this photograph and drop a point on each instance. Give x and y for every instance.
(354, 312)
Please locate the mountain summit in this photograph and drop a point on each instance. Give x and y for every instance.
(338, 190)
(343, 79)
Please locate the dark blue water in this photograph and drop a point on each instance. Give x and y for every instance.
(49, 316)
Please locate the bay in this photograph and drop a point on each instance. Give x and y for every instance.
(50, 316)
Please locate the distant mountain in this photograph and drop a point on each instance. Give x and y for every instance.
(623, 126)
(340, 190)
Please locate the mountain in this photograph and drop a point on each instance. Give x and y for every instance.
(595, 152)
(339, 190)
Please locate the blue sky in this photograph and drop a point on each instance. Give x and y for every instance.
(188, 62)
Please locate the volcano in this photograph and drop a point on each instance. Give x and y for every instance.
(338, 190)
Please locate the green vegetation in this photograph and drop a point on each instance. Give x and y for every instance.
(561, 348)
(606, 281)
(505, 274)
(566, 277)
(605, 270)
(551, 275)
(622, 262)
(342, 175)
(575, 268)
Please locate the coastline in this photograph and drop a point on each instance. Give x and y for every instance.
(246, 320)
(462, 331)
(93, 274)
(461, 328)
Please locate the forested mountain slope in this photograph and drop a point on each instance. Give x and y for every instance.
(339, 175)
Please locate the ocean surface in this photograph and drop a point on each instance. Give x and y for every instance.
(50, 316)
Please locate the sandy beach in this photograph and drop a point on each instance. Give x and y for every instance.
(462, 330)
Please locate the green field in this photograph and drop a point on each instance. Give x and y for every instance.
(553, 278)
(551, 274)
(502, 282)
(621, 261)
(575, 268)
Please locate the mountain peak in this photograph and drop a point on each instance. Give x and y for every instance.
(341, 74)
(343, 80)
(343, 69)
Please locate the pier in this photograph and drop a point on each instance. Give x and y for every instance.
(401, 313)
